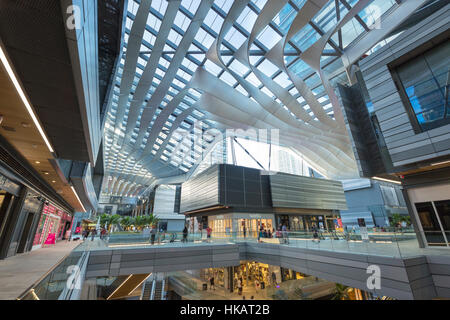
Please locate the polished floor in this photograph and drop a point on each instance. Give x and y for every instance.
(18, 273)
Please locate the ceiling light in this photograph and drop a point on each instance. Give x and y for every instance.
(37, 162)
(386, 180)
(439, 163)
(76, 195)
(23, 97)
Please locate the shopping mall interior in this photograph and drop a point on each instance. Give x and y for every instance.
(224, 150)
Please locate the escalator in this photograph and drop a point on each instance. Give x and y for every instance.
(158, 288)
(147, 290)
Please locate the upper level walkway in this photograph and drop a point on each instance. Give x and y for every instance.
(406, 271)
(18, 273)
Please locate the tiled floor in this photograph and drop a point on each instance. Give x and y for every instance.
(18, 273)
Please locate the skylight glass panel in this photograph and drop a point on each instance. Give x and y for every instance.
(283, 80)
(128, 23)
(372, 13)
(175, 37)
(269, 37)
(284, 19)
(213, 20)
(305, 38)
(267, 92)
(204, 38)
(182, 21)
(350, 31)
(148, 37)
(267, 67)
(153, 22)
(253, 79)
(160, 6)
(326, 18)
(142, 62)
(225, 5)
(212, 68)
(235, 38)
(247, 19)
(191, 5)
(242, 90)
(238, 67)
(133, 7)
(260, 3)
(228, 78)
(301, 68)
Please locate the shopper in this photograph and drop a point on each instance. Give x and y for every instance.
(94, 233)
(239, 284)
(153, 234)
(211, 283)
(208, 233)
(245, 231)
(315, 235)
(103, 234)
(185, 234)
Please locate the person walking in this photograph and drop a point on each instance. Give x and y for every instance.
(284, 233)
(185, 234)
(245, 231)
(315, 235)
(103, 234)
(239, 285)
(208, 233)
(211, 283)
(94, 233)
(153, 234)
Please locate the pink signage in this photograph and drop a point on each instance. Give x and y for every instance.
(51, 239)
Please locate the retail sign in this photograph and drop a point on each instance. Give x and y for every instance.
(51, 239)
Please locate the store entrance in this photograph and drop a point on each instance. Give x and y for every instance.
(249, 228)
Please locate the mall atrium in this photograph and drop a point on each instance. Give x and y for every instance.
(224, 150)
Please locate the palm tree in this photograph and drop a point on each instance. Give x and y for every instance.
(105, 219)
(341, 292)
(140, 221)
(152, 219)
(126, 222)
(114, 220)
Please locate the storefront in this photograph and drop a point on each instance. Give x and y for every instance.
(53, 223)
(307, 222)
(240, 224)
(431, 208)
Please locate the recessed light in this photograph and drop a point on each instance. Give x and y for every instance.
(37, 162)
(46, 173)
(25, 125)
(54, 181)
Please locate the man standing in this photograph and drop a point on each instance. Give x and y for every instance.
(153, 234)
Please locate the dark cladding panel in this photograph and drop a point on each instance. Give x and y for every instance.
(290, 191)
(202, 191)
(244, 187)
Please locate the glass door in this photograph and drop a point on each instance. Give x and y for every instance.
(434, 218)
